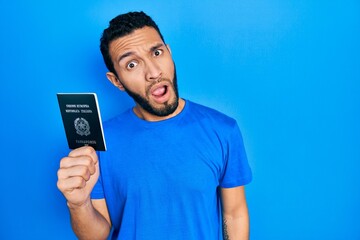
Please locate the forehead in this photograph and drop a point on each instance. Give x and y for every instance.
(140, 39)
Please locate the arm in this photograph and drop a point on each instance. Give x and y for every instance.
(235, 214)
(88, 222)
(77, 176)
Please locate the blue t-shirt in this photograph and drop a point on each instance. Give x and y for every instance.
(161, 179)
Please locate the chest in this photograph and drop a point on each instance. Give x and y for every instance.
(156, 164)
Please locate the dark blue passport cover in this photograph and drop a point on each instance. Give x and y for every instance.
(82, 121)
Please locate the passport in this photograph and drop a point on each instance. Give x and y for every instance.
(81, 117)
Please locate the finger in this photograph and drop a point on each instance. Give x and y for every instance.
(86, 161)
(69, 184)
(86, 150)
(75, 171)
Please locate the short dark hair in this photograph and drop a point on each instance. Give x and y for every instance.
(120, 26)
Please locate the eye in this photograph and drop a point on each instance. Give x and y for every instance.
(158, 52)
(131, 65)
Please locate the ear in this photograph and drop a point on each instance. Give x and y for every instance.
(168, 47)
(115, 81)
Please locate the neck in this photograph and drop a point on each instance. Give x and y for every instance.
(143, 114)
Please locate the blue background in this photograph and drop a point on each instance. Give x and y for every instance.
(288, 71)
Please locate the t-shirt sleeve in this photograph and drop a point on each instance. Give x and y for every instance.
(98, 191)
(236, 170)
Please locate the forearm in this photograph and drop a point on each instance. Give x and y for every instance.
(236, 228)
(88, 223)
(235, 213)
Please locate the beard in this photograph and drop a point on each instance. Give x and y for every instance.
(167, 108)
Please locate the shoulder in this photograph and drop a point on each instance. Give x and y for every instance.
(213, 116)
(120, 118)
(118, 124)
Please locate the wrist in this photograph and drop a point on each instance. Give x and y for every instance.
(78, 206)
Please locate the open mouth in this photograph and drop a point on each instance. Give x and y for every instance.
(160, 92)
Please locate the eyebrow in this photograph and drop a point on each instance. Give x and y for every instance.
(156, 46)
(127, 54)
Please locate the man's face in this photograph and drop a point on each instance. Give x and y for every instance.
(145, 71)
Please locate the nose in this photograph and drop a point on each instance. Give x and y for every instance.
(153, 71)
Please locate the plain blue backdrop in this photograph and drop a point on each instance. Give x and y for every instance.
(287, 71)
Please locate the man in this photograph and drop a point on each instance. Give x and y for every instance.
(173, 169)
